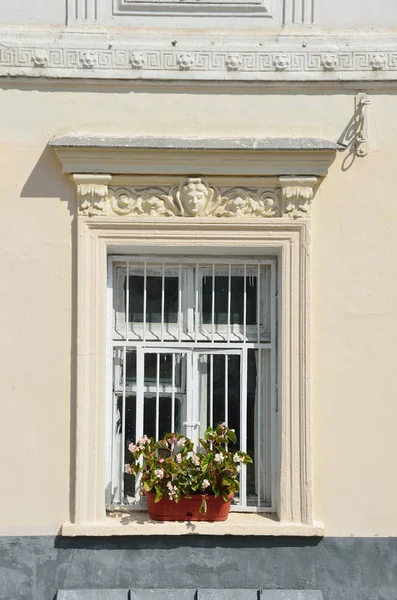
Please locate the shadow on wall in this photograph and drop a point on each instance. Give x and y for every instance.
(47, 181)
(349, 137)
(169, 542)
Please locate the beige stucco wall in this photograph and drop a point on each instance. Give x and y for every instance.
(354, 284)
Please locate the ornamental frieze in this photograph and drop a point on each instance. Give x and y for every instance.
(325, 61)
(194, 197)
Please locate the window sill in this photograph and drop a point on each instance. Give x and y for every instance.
(240, 524)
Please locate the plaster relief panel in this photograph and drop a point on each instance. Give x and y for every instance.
(192, 7)
(194, 197)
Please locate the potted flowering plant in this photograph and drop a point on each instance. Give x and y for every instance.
(182, 484)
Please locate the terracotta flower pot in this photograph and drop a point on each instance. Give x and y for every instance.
(188, 509)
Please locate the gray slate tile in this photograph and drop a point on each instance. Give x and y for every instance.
(291, 595)
(93, 595)
(230, 594)
(163, 594)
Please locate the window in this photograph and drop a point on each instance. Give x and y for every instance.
(194, 345)
(251, 216)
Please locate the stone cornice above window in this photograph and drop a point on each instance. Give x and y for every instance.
(163, 177)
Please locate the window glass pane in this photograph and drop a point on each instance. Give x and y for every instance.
(251, 405)
(219, 403)
(236, 300)
(130, 436)
(130, 360)
(218, 413)
(153, 298)
(259, 427)
(165, 374)
(233, 415)
(165, 415)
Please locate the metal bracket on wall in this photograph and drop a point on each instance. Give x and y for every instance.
(361, 103)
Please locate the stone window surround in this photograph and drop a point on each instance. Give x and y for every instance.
(99, 166)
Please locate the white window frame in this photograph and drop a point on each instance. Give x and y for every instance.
(287, 239)
(193, 344)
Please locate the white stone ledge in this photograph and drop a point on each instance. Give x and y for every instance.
(238, 524)
(148, 142)
(229, 55)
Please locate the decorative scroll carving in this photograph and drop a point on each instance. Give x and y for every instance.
(297, 195)
(194, 197)
(242, 202)
(92, 193)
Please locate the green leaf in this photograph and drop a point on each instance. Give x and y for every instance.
(231, 435)
(159, 493)
(163, 444)
(208, 458)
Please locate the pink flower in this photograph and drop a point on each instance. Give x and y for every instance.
(161, 460)
(195, 460)
(172, 490)
(143, 440)
(132, 448)
(178, 458)
(218, 457)
(159, 473)
(237, 458)
(127, 469)
(206, 483)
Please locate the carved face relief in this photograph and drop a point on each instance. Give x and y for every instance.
(194, 196)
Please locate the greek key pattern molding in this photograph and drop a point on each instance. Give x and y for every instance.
(194, 197)
(46, 62)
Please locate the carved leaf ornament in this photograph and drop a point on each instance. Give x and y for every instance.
(195, 197)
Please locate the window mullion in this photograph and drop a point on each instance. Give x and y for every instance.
(213, 304)
(196, 303)
(180, 308)
(258, 304)
(122, 449)
(157, 394)
(162, 301)
(243, 423)
(259, 397)
(192, 396)
(226, 375)
(140, 375)
(272, 424)
(245, 305)
(229, 300)
(189, 295)
(144, 299)
(173, 394)
(127, 303)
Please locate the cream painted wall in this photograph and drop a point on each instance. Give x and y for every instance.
(333, 14)
(354, 285)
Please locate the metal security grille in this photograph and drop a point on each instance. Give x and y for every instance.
(193, 344)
